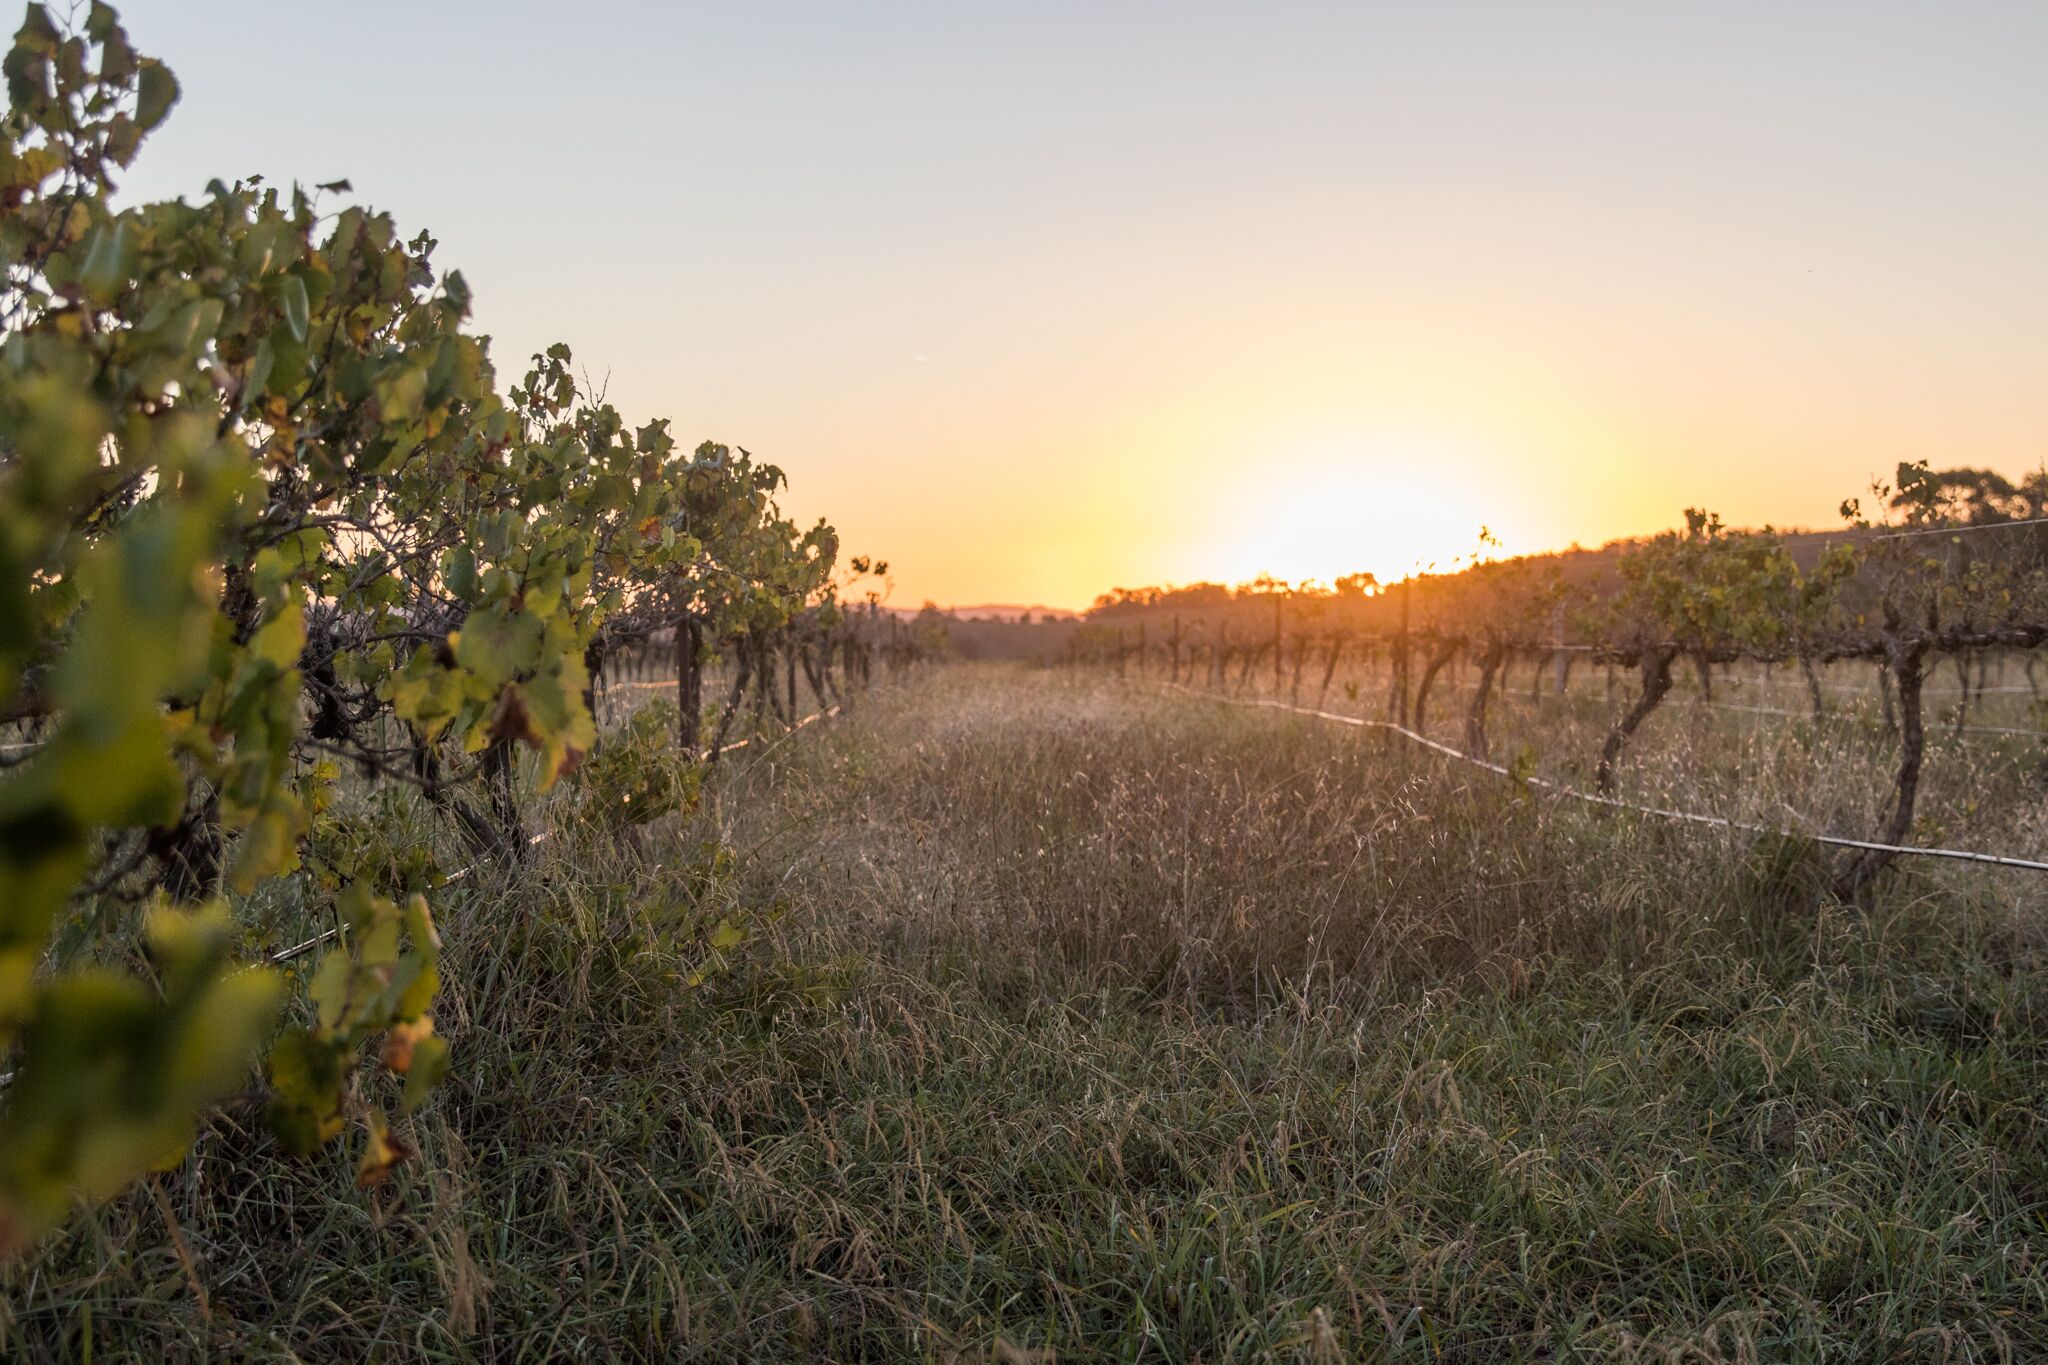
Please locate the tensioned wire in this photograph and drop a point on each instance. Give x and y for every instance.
(1616, 803)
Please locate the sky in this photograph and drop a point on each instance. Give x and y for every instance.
(1037, 299)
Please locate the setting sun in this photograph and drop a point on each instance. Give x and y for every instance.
(1387, 513)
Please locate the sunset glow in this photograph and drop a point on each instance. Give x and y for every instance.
(1303, 295)
(1388, 513)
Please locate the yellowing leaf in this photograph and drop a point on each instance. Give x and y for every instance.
(383, 1151)
(400, 1041)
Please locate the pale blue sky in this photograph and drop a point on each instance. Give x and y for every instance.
(1036, 298)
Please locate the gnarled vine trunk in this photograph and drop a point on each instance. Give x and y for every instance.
(1475, 718)
(789, 673)
(689, 684)
(822, 686)
(494, 835)
(1329, 670)
(1251, 661)
(1397, 699)
(744, 673)
(1656, 671)
(1813, 688)
(1962, 662)
(1445, 652)
(1906, 660)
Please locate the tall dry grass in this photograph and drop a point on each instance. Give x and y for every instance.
(1081, 1022)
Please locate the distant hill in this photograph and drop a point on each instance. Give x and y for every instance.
(995, 611)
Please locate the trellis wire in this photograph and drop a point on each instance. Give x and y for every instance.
(1957, 530)
(1849, 719)
(1592, 798)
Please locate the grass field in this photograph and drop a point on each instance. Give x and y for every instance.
(1076, 1021)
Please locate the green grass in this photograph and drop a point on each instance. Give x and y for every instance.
(1128, 1028)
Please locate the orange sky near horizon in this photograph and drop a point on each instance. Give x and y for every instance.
(1037, 301)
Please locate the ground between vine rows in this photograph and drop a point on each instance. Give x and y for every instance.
(1081, 1018)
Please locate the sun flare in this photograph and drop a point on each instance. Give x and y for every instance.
(1350, 513)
